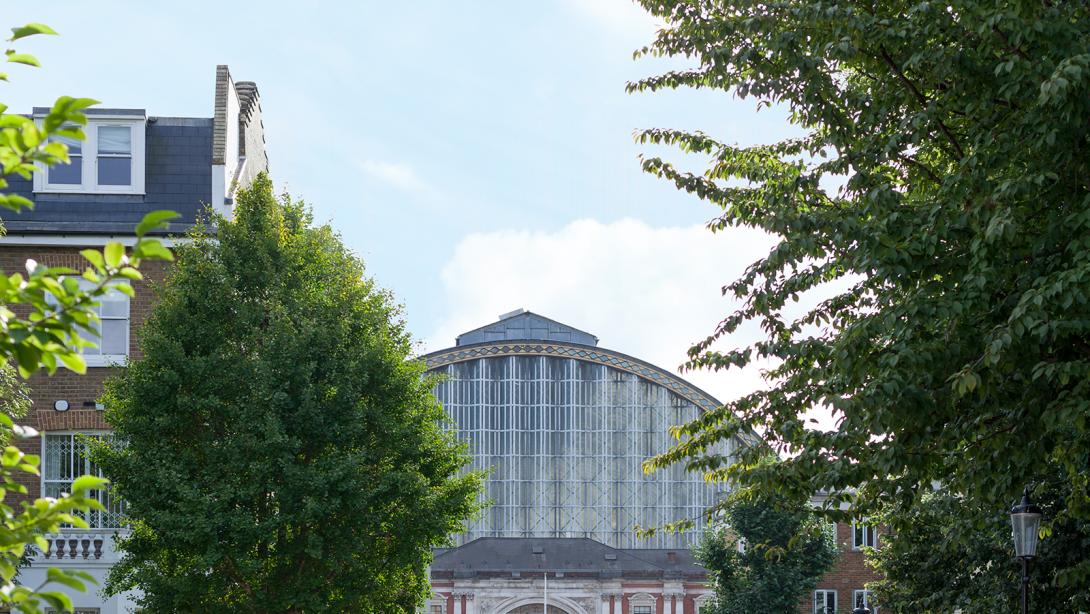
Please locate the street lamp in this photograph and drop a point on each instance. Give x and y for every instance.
(1025, 521)
(861, 610)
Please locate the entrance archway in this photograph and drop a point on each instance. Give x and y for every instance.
(535, 605)
(537, 608)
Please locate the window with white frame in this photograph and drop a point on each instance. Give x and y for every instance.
(114, 155)
(642, 609)
(65, 458)
(824, 601)
(864, 535)
(862, 599)
(111, 333)
(70, 174)
(109, 161)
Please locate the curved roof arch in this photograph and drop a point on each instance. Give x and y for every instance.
(587, 353)
(525, 333)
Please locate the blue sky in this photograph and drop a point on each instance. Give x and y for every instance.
(477, 155)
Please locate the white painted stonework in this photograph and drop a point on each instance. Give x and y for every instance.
(566, 596)
(90, 551)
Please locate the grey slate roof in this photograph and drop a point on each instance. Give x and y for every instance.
(571, 556)
(526, 325)
(178, 167)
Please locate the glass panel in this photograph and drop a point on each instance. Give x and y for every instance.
(75, 146)
(114, 305)
(566, 440)
(114, 337)
(57, 457)
(67, 174)
(92, 334)
(115, 171)
(114, 140)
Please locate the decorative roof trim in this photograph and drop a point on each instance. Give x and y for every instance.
(586, 353)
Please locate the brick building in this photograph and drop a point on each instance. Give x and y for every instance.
(843, 588)
(130, 164)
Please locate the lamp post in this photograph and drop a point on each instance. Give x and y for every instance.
(1025, 522)
(861, 610)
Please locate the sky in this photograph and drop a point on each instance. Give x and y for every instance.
(477, 155)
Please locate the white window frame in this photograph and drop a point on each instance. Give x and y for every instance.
(89, 160)
(867, 596)
(825, 593)
(869, 533)
(107, 360)
(45, 479)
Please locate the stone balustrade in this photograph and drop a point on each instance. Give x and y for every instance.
(76, 546)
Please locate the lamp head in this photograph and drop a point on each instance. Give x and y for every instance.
(1025, 525)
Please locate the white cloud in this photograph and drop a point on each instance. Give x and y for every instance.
(400, 176)
(648, 292)
(623, 16)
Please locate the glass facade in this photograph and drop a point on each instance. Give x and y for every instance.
(564, 440)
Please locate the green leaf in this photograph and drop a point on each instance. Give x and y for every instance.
(88, 482)
(58, 600)
(66, 578)
(31, 29)
(113, 253)
(95, 258)
(74, 361)
(156, 220)
(23, 58)
(152, 249)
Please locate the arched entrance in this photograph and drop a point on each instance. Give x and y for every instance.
(535, 605)
(537, 608)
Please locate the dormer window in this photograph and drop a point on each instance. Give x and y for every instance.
(71, 173)
(115, 155)
(110, 161)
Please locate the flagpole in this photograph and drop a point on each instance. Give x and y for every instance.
(546, 592)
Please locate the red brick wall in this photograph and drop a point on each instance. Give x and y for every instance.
(849, 574)
(81, 391)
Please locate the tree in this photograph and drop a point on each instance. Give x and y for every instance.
(282, 452)
(955, 345)
(952, 555)
(768, 556)
(46, 318)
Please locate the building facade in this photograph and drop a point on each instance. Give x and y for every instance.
(130, 164)
(843, 588)
(563, 426)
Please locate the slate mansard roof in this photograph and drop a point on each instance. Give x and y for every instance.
(190, 163)
(580, 556)
(178, 176)
(522, 324)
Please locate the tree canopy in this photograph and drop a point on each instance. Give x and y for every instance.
(277, 448)
(952, 554)
(767, 557)
(941, 190)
